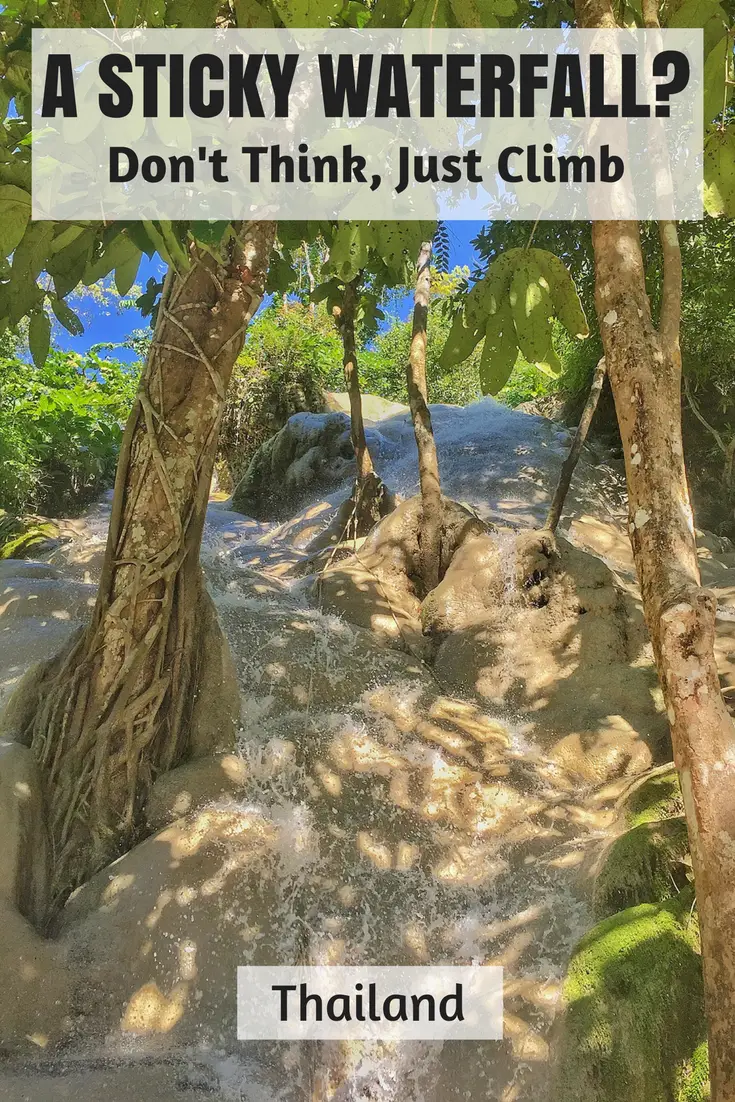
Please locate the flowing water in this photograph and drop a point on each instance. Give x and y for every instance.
(409, 824)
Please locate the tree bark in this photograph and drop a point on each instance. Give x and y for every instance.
(352, 379)
(567, 470)
(113, 710)
(431, 499)
(370, 500)
(644, 366)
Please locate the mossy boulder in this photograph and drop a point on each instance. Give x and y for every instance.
(646, 864)
(657, 798)
(634, 1028)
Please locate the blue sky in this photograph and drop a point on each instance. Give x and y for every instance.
(103, 325)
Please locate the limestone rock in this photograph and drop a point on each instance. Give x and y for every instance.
(311, 451)
(24, 855)
(34, 994)
(216, 707)
(379, 588)
(191, 786)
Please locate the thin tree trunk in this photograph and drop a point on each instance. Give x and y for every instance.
(431, 498)
(567, 470)
(113, 710)
(644, 366)
(352, 378)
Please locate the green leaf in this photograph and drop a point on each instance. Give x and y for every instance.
(500, 351)
(566, 302)
(307, 13)
(118, 251)
(390, 13)
(430, 13)
(209, 233)
(719, 172)
(66, 316)
(250, 14)
(191, 13)
(348, 254)
(39, 337)
(126, 272)
(714, 80)
(67, 265)
(15, 210)
(461, 342)
(531, 307)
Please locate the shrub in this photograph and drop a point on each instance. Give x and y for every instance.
(291, 354)
(60, 429)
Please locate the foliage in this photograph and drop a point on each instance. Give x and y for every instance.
(292, 352)
(510, 310)
(60, 428)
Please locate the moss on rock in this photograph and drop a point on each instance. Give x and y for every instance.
(646, 864)
(657, 798)
(692, 1083)
(634, 1027)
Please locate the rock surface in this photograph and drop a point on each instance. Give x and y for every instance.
(438, 802)
(24, 854)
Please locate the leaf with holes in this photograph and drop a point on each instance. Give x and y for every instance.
(500, 351)
(719, 172)
(531, 306)
(566, 302)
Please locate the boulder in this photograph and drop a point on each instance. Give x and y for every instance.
(561, 644)
(311, 453)
(380, 588)
(633, 1027)
(191, 786)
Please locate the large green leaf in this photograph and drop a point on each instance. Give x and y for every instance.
(15, 210)
(500, 351)
(39, 337)
(566, 302)
(719, 172)
(461, 342)
(530, 303)
(66, 316)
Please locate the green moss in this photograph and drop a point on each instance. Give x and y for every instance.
(634, 1021)
(692, 1084)
(657, 798)
(647, 864)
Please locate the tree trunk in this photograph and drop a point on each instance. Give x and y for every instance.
(352, 379)
(113, 710)
(567, 470)
(644, 366)
(431, 499)
(368, 502)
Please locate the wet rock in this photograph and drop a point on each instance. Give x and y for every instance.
(311, 452)
(24, 856)
(154, 941)
(216, 706)
(34, 995)
(188, 788)
(563, 660)
(379, 588)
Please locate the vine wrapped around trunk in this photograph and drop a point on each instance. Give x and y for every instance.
(113, 709)
(431, 498)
